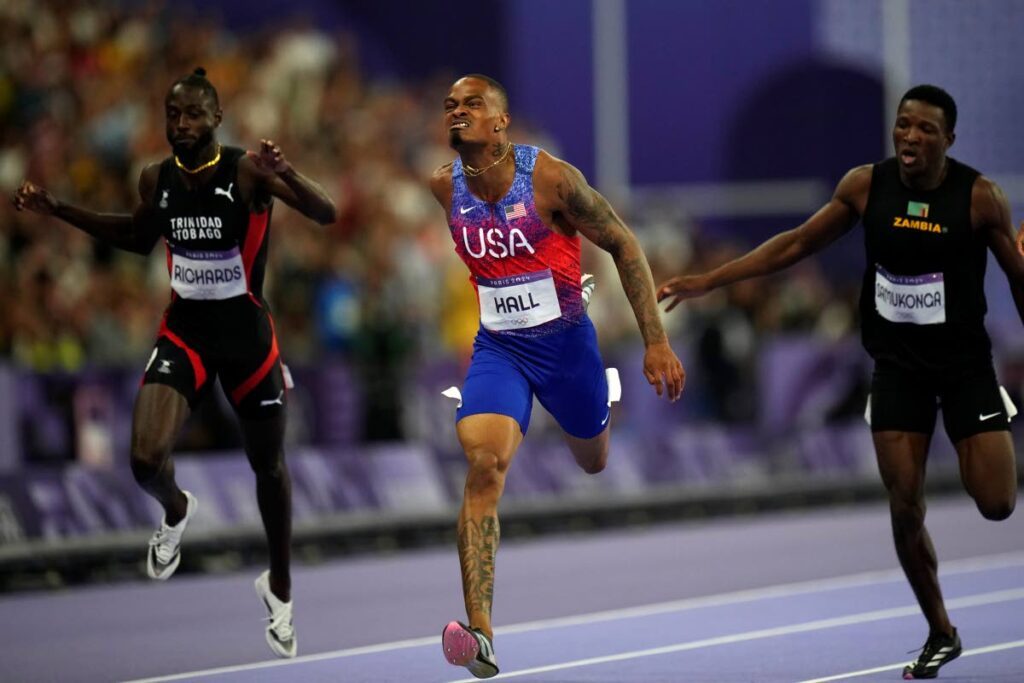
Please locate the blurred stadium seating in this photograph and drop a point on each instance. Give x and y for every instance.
(374, 312)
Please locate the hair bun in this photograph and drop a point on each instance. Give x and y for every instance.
(199, 71)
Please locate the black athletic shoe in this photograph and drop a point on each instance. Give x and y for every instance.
(939, 649)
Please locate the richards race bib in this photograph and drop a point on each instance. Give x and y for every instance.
(915, 299)
(207, 274)
(517, 302)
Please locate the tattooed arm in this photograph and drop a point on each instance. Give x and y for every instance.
(574, 206)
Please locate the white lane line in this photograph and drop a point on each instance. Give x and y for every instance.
(963, 566)
(805, 627)
(879, 669)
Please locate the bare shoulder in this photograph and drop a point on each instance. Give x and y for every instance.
(555, 180)
(854, 187)
(550, 170)
(148, 179)
(441, 183)
(247, 166)
(986, 190)
(989, 205)
(857, 179)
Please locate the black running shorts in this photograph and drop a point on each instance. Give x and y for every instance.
(233, 340)
(906, 401)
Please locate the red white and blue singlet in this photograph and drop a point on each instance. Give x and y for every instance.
(535, 337)
(527, 275)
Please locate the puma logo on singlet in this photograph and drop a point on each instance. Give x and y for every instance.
(163, 199)
(276, 401)
(226, 193)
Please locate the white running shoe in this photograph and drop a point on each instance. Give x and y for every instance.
(587, 284)
(280, 633)
(164, 553)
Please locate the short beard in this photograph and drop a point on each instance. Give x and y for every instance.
(455, 138)
(187, 155)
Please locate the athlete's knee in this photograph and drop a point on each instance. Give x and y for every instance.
(996, 511)
(268, 467)
(486, 474)
(596, 463)
(148, 456)
(907, 512)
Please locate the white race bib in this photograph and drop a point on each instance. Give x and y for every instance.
(207, 274)
(516, 302)
(915, 299)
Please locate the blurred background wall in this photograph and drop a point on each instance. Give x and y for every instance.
(710, 125)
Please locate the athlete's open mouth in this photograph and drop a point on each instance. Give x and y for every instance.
(908, 156)
(458, 125)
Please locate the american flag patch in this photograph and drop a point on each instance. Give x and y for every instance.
(515, 211)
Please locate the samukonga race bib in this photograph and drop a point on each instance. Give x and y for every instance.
(517, 302)
(207, 274)
(915, 299)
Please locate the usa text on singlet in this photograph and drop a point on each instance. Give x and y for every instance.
(527, 275)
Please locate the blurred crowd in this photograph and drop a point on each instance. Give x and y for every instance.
(81, 112)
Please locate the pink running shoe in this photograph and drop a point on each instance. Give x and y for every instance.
(469, 647)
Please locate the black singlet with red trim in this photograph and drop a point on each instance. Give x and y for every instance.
(216, 244)
(217, 324)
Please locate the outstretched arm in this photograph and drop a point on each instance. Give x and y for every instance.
(280, 179)
(991, 214)
(829, 223)
(582, 208)
(134, 232)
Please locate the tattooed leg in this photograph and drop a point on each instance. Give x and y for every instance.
(478, 544)
(489, 442)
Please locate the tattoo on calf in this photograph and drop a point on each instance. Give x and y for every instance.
(478, 544)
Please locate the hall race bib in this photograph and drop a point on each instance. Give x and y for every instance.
(915, 299)
(517, 302)
(207, 274)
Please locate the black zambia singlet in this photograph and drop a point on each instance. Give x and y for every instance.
(216, 246)
(922, 298)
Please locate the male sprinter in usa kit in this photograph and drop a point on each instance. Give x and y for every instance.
(515, 214)
(928, 220)
(212, 206)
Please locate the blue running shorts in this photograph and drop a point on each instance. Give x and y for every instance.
(563, 369)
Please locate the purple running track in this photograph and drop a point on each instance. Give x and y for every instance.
(747, 599)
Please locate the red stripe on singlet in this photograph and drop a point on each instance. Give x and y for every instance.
(243, 389)
(197, 363)
(254, 240)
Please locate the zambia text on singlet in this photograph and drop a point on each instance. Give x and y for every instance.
(922, 299)
(216, 246)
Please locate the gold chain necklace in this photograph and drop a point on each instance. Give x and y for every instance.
(473, 172)
(198, 169)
